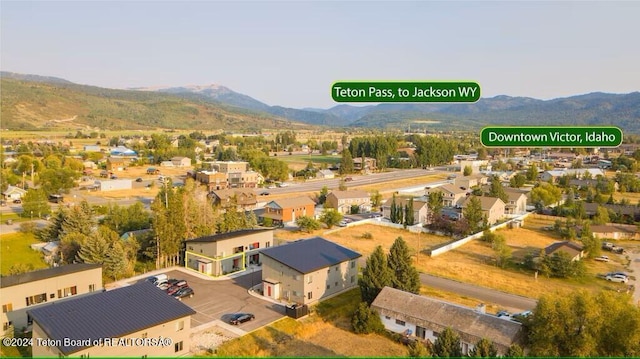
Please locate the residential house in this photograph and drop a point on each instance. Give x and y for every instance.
(344, 201)
(13, 193)
(308, 270)
(224, 253)
(420, 208)
(28, 290)
(517, 203)
(366, 164)
(615, 231)
(117, 164)
(230, 166)
(287, 210)
(574, 250)
(114, 323)
(325, 174)
(181, 161)
(424, 318)
(492, 208)
(471, 181)
(243, 199)
(580, 173)
(167, 164)
(451, 195)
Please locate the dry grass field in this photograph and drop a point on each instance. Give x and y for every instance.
(634, 198)
(475, 261)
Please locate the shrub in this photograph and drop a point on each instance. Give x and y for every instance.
(366, 320)
(367, 235)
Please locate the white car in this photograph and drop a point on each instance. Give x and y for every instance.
(602, 258)
(617, 278)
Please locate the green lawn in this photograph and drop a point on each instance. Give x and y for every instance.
(15, 248)
(329, 159)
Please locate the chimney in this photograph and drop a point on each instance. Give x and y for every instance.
(481, 308)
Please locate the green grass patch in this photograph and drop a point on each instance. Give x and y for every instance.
(15, 248)
(329, 159)
(262, 341)
(339, 309)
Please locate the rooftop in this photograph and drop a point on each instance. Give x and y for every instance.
(110, 314)
(309, 255)
(41, 274)
(291, 202)
(229, 235)
(437, 315)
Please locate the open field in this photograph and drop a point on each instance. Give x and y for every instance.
(634, 198)
(15, 248)
(323, 333)
(351, 237)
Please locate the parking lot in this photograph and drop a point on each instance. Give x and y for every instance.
(218, 299)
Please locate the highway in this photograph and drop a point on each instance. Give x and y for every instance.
(511, 302)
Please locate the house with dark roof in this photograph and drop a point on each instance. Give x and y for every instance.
(24, 291)
(308, 270)
(242, 199)
(287, 210)
(343, 201)
(137, 320)
(574, 250)
(225, 253)
(424, 318)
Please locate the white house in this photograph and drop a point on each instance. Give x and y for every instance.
(13, 193)
(424, 318)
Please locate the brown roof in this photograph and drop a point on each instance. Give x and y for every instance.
(349, 194)
(614, 227)
(449, 188)
(293, 202)
(437, 315)
(402, 201)
(485, 202)
(572, 249)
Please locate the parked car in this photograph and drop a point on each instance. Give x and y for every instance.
(139, 179)
(602, 258)
(608, 246)
(176, 286)
(617, 278)
(348, 179)
(56, 198)
(183, 292)
(239, 318)
(342, 224)
(114, 177)
(272, 187)
(157, 279)
(265, 193)
(17, 201)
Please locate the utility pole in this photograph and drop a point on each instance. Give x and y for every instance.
(32, 182)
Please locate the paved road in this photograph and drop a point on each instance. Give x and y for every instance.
(511, 302)
(357, 180)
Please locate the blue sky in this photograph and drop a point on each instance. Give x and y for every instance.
(289, 53)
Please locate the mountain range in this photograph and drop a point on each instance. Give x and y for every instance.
(203, 107)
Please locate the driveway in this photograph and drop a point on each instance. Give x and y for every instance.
(217, 299)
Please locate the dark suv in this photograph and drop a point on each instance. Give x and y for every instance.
(238, 318)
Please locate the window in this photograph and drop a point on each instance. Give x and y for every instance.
(7, 308)
(255, 245)
(309, 295)
(92, 287)
(62, 293)
(337, 268)
(436, 334)
(353, 264)
(268, 244)
(84, 356)
(400, 322)
(335, 284)
(296, 277)
(178, 346)
(353, 279)
(179, 325)
(190, 248)
(36, 299)
(328, 287)
(52, 296)
(309, 279)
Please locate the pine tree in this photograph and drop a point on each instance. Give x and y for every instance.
(473, 214)
(53, 231)
(435, 204)
(375, 276)
(447, 344)
(497, 190)
(79, 219)
(484, 348)
(346, 164)
(404, 275)
(409, 219)
(515, 351)
(366, 320)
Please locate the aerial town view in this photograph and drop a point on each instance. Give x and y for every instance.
(319, 179)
